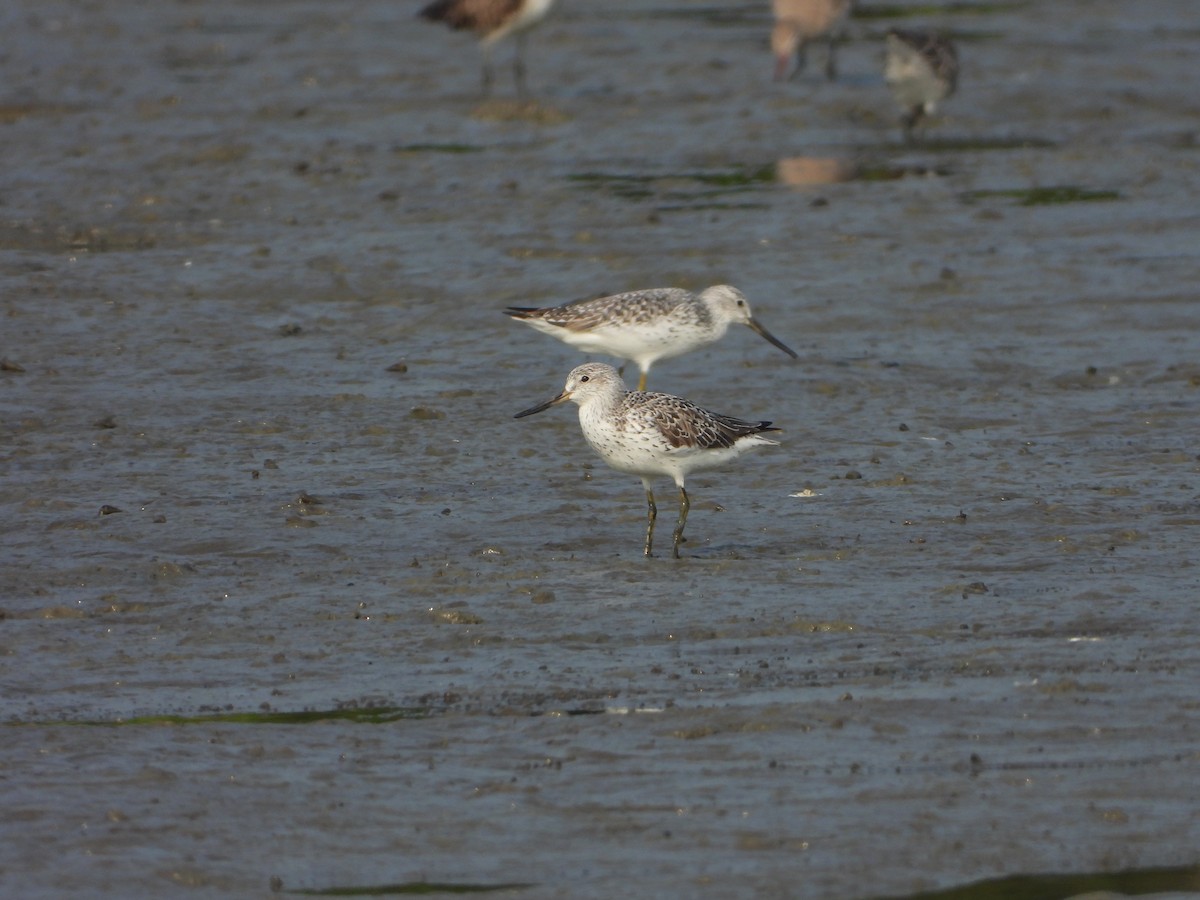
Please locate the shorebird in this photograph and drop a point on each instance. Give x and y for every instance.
(797, 23)
(646, 326)
(922, 71)
(648, 434)
(492, 20)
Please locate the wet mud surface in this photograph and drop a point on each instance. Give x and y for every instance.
(258, 456)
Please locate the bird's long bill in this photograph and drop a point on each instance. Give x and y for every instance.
(565, 395)
(770, 337)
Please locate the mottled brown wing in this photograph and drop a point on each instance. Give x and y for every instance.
(616, 309)
(936, 50)
(943, 60)
(477, 15)
(684, 424)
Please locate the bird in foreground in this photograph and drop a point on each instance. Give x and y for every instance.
(648, 434)
(798, 22)
(922, 71)
(646, 326)
(492, 20)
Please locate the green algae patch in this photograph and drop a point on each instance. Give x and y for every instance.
(710, 15)
(439, 148)
(923, 10)
(876, 172)
(705, 207)
(677, 185)
(1044, 196)
(749, 176)
(410, 888)
(628, 187)
(1057, 887)
(529, 111)
(375, 715)
(978, 144)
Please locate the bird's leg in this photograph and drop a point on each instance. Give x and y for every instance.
(801, 59)
(683, 511)
(651, 515)
(642, 381)
(910, 120)
(487, 72)
(831, 59)
(519, 65)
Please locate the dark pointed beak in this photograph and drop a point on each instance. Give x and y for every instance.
(565, 395)
(770, 337)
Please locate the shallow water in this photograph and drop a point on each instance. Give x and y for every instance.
(945, 632)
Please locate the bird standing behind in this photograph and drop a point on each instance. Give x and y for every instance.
(492, 20)
(646, 326)
(922, 71)
(798, 22)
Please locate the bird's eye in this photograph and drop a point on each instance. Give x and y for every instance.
(741, 303)
(585, 378)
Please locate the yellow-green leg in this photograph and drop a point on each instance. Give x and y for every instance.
(684, 503)
(642, 382)
(651, 515)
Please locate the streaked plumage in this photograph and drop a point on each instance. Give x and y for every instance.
(492, 20)
(922, 71)
(651, 434)
(797, 23)
(646, 326)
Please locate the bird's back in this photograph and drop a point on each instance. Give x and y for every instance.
(684, 425)
(483, 16)
(924, 61)
(811, 18)
(643, 326)
(629, 309)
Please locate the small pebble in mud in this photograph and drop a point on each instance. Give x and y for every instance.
(852, 475)
(7, 365)
(105, 422)
(975, 587)
(398, 367)
(107, 510)
(425, 414)
(543, 597)
(290, 330)
(307, 499)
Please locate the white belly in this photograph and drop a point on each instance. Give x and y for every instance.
(531, 12)
(647, 453)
